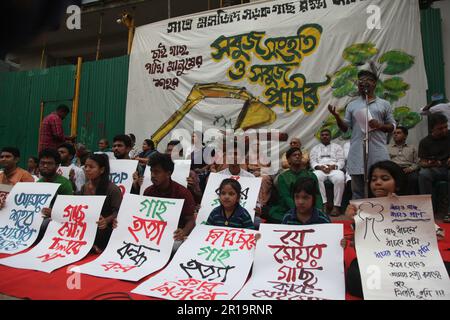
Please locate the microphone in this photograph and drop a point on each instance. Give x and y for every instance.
(366, 87)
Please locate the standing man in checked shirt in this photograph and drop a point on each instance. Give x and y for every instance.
(380, 125)
(327, 159)
(51, 135)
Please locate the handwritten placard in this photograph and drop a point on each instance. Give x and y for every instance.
(249, 195)
(180, 174)
(212, 264)
(68, 238)
(143, 240)
(397, 249)
(297, 263)
(121, 173)
(21, 217)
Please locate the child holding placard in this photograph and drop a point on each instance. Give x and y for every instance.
(386, 179)
(305, 212)
(230, 213)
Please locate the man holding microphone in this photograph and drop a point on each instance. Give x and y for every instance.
(380, 123)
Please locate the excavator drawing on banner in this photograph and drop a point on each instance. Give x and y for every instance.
(254, 113)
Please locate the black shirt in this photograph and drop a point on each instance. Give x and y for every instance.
(435, 149)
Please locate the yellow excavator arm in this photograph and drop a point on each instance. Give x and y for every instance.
(254, 113)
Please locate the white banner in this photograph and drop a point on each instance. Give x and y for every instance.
(143, 240)
(397, 249)
(121, 173)
(288, 59)
(212, 264)
(21, 217)
(180, 173)
(297, 263)
(68, 238)
(210, 200)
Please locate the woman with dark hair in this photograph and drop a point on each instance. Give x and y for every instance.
(33, 166)
(148, 149)
(97, 176)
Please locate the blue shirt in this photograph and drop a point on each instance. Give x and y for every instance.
(239, 219)
(381, 111)
(317, 217)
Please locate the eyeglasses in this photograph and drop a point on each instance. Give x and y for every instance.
(47, 163)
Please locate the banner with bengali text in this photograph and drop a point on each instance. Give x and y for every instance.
(212, 264)
(142, 242)
(297, 263)
(273, 65)
(21, 217)
(69, 236)
(397, 249)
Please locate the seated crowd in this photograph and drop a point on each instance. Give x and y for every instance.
(309, 188)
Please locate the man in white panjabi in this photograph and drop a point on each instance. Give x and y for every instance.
(327, 159)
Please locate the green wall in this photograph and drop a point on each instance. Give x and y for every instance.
(101, 113)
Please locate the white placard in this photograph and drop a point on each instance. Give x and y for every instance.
(297, 263)
(21, 218)
(212, 264)
(121, 173)
(108, 153)
(64, 171)
(249, 195)
(180, 174)
(397, 249)
(143, 240)
(68, 238)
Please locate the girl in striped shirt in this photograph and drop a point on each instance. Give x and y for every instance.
(230, 213)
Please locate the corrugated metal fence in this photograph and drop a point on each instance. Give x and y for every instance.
(103, 98)
(21, 94)
(431, 27)
(101, 110)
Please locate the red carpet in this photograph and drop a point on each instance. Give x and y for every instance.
(28, 284)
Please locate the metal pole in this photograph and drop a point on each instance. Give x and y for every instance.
(40, 123)
(99, 37)
(366, 150)
(76, 99)
(130, 34)
(43, 53)
(169, 12)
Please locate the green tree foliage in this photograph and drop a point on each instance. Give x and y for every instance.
(391, 63)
